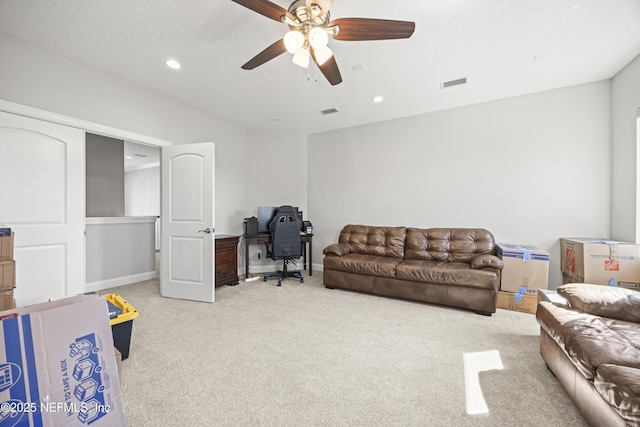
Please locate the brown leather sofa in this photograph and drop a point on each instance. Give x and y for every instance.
(449, 266)
(591, 343)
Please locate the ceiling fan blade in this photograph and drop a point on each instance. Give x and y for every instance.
(266, 8)
(324, 5)
(357, 29)
(329, 69)
(268, 54)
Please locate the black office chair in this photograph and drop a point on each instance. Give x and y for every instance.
(286, 243)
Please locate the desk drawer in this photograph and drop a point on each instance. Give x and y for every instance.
(226, 255)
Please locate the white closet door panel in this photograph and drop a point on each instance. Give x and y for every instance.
(44, 205)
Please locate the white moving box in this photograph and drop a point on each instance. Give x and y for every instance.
(600, 262)
(58, 367)
(526, 268)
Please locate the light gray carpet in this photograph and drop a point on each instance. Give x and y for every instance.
(304, 355)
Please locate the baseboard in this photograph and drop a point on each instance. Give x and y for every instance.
(119, 281)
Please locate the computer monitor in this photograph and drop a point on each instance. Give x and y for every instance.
(265, 216)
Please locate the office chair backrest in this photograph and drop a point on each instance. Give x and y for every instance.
(285, 234)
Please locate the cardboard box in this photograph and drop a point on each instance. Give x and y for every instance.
(118, 355)
(6, 247)
(524, 303)
(600, 262)
(525, 267)
(7, 275)
(58, 366)
(7, 302)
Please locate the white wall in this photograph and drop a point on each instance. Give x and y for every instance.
(276, 168)
(530, 169)
(625, 101)
(142, 192)
(38, 78)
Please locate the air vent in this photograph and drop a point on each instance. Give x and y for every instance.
(140, 155)
(329, 111)
(455, 82)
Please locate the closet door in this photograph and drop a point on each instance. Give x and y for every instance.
(42, 199)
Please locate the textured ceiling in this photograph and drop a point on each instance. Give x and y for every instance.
(491, 42)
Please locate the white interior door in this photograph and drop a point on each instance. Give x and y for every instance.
(43, 201)
(187, 222)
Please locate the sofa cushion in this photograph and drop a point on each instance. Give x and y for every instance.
(370, 265)
(379, 241)
(606, 301)
(591, 341)
(620, 387)
(448, 244)
(446, 273)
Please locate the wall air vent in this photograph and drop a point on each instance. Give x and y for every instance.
(456, 82)
(329, 111)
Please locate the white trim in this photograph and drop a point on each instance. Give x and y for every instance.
(120, 281)
(47, 116)
(96, 220)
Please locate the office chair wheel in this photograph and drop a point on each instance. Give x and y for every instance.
(301, 280)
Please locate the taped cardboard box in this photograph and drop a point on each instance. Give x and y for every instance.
(7, 275)
(522, 302)
(6, 247)
(58, 365)
(600, 262)
(7, 302)
(525, 266)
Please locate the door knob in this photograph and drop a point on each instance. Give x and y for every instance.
(206, 230)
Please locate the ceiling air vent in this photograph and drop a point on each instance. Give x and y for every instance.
(456, 82)
(329, 111)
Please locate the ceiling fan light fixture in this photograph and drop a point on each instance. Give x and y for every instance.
(322, 55)
(301, 57)
(293, 41)
(318, 38)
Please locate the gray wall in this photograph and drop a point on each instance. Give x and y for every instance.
(530, 169)
(105, 176)
(625, 102)
(38, 78)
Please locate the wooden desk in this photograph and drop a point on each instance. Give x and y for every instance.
(265, 239)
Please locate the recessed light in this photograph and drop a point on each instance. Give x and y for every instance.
(378, 99)
(172, 63)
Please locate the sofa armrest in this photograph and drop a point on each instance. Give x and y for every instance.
(486, 260)
(338, 249)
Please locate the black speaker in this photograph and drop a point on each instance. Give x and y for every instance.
(251, 226)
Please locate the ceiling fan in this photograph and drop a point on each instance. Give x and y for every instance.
(310, 28)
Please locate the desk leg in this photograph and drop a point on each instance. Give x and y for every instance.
(310, 256)
(246, 259)
(304, 256)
